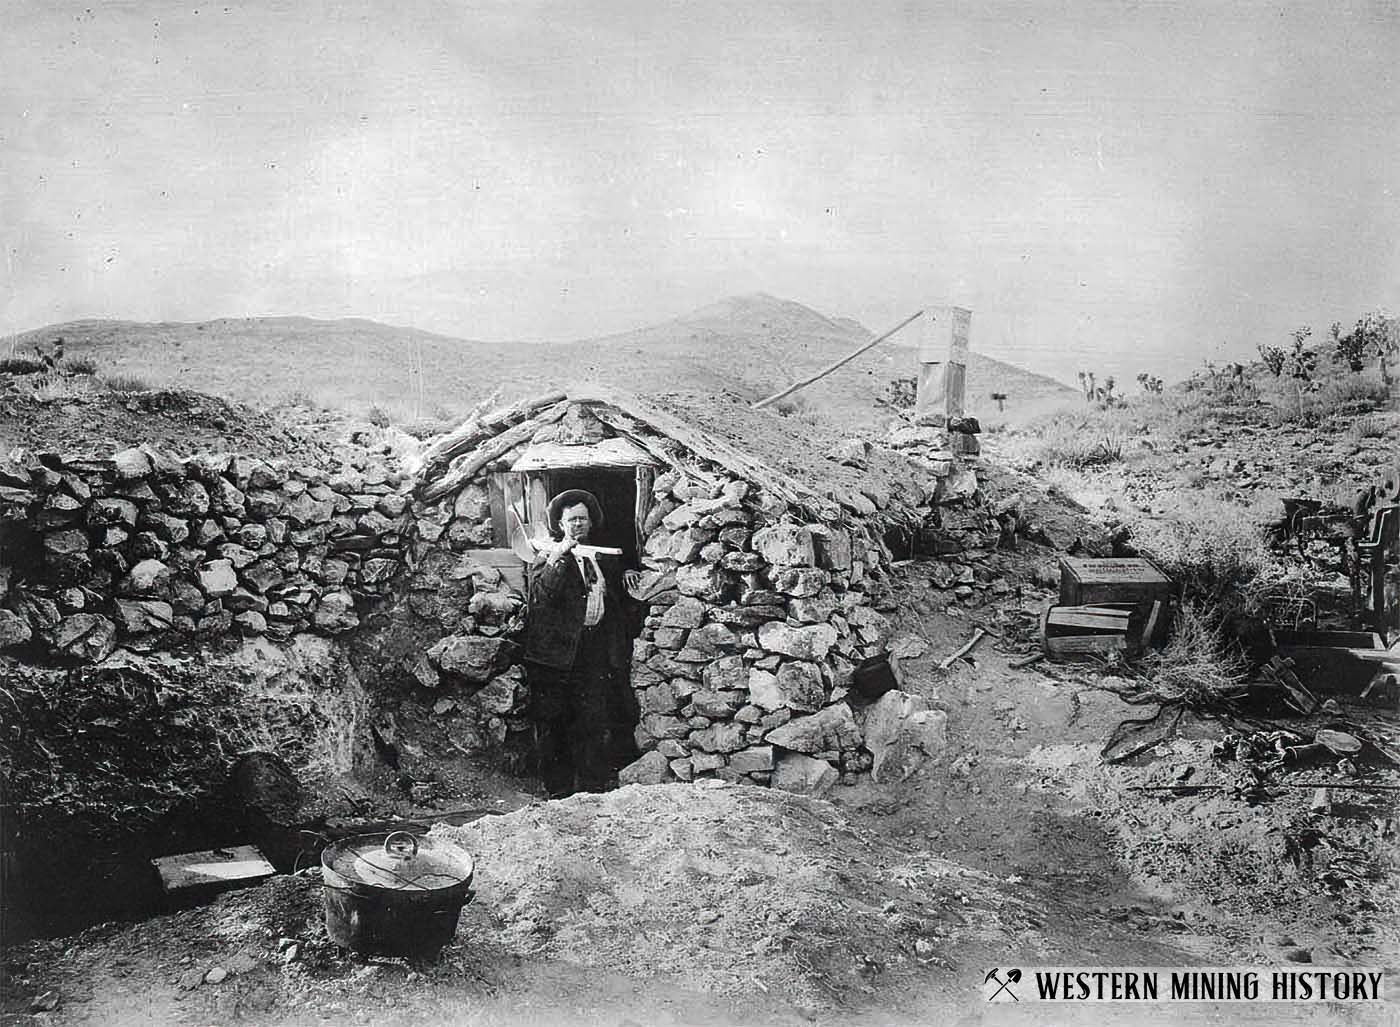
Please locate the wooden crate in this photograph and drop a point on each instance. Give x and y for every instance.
(1070, 631)
(1085, 581)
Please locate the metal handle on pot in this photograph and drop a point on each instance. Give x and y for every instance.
(393, 845)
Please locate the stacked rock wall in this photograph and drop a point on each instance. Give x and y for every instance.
(767, 619)
(147, 551)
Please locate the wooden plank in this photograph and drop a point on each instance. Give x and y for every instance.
(506, 561)
(616, 452)
(928, 401)
(644, 480)
(1149, 628)
(537, 505)
(1072, 617)
(500, 531)
(1084, 645)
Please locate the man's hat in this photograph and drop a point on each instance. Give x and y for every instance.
(574, 497)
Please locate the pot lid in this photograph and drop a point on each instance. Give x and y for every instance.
(399, 862)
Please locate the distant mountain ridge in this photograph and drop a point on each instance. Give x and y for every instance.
(751, 345)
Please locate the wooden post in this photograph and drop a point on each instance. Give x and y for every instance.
(942, 366)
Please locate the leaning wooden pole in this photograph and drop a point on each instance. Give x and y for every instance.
(832, 367)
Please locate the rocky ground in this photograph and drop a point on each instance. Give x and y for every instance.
(727, 904)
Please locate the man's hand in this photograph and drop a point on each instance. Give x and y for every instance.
(630, 579)
(562, 550)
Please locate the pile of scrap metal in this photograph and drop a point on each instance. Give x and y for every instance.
(1109, 608)
(1361, 541)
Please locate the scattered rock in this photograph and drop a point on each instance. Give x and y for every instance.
(651, 769)
(794, 772)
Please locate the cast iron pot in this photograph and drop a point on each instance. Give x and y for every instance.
(394, 894)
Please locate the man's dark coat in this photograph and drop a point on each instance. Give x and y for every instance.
(558, 602)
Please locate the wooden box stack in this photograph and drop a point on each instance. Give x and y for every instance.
(1106, 606)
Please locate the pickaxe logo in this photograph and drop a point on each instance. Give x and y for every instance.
(1012, 976)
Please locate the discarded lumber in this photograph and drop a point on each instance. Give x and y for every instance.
(1279, 671)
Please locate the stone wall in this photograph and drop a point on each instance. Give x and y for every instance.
(146, 551)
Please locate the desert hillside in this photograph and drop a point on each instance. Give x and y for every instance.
(752, 344)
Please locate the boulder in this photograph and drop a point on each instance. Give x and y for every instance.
(137, 616)
(800, 685)
(65, 543)
(503, 694)
(747, 616)
(785, 545)
(727, 673)
(113, 510)
(705, 581)
(263, 504)
(217, 578)
(805, 643)
(828, 730)
(188, 498)
(250, 622)
(131, 463)
(753, 760)
(306, 511)
(728, 737)
(716, 704)
(473, 659)
(794, 772)
(659, 725)
(850, 452)
(662, 698)
(710, 641)
(687, 612)
(262, 575)
(915, 436)
(833, 547)
(171, 529)
(336, 613)
(149, 577)
(960, 483)
(902, 732)
(473, 503)
(651, 769)
(702, 762)
(85, 636)
(814, 610)
(800, 582)
(14, 629)
(741, 562)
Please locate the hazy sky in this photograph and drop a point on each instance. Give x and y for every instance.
(1131, 185)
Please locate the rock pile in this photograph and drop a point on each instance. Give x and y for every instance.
(147, 551)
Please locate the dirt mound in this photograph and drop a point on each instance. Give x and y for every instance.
(72, 415)
(732, 889)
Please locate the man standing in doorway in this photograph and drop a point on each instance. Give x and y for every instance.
(576, 648)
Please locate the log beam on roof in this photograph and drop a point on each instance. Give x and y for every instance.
(704, 445)
(476, 430)
(470, 463)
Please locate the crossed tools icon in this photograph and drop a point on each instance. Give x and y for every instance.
(1012, 976)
